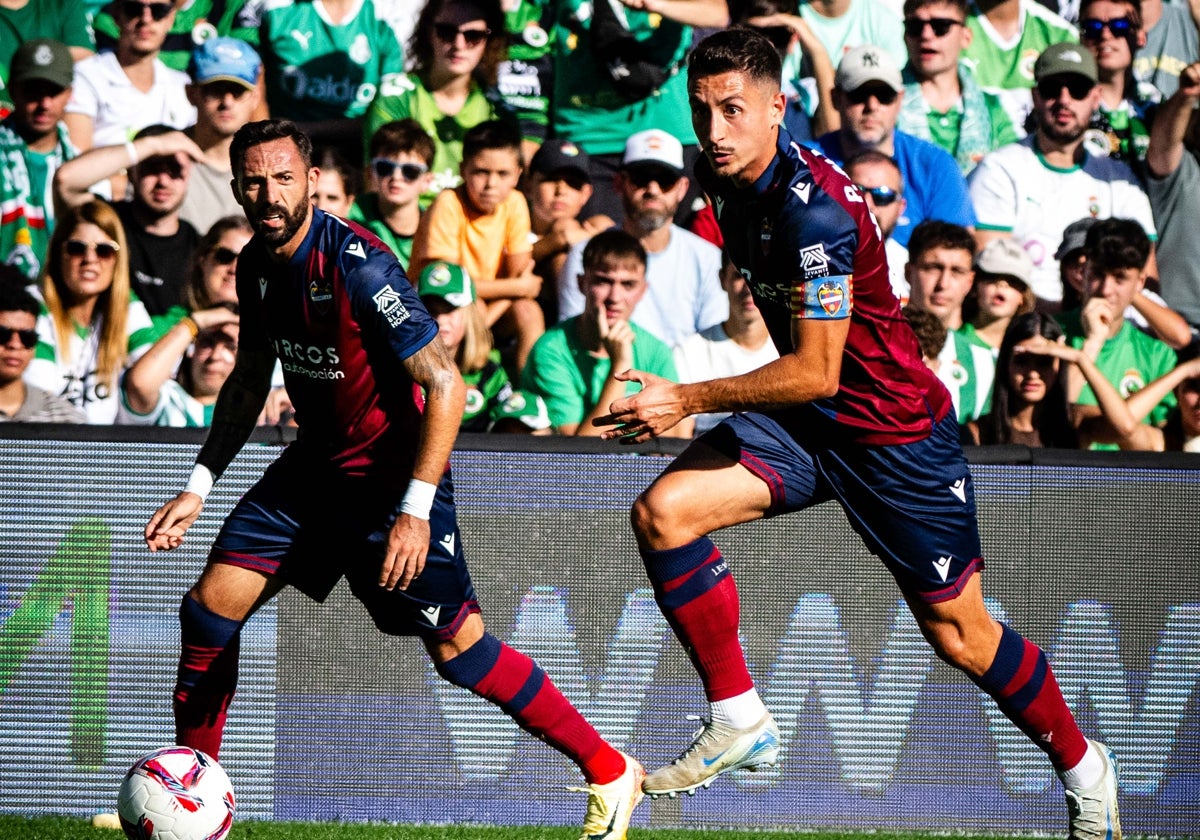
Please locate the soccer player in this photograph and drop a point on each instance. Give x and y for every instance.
(365, 492)
(848, 412)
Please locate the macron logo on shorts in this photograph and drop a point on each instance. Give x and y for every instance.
(431, 614)
(959, 489)
(942, 564)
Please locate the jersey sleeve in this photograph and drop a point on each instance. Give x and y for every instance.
(382, 300)
(821, 243)
(994, 196)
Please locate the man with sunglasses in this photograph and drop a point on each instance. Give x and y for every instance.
(868, 93)
(943, 103)
(19, 401)
(1031, 190)
(882, 185)
(196, 21)
(117, 93)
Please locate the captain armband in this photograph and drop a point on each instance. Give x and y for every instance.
(823, 298)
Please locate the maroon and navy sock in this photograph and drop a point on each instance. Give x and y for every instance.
(207, 675)
(515, 683)
(1024, 688)
(696, 593)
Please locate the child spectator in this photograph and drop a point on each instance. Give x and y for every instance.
(931, 334)
(449, 295)
(401, 157)
(19, 401)
(338, 183)
(575, 367)
(483, 226)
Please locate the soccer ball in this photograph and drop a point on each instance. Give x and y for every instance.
(176, 793)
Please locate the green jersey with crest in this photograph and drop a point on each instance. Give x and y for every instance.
(968, 369)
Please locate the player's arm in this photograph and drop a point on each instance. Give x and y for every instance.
(234, 417)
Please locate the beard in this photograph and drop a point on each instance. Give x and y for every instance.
(1061, 133)
(648, 221)
(291, 223)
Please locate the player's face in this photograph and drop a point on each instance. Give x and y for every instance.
(1118, 286)
(39, 105)
(614, 287)
(735, 118)
(869, 112)
(330, 194)
(1063, 106)
(14, 355)
(220, 266)
(1114, 54)
(212, 360)
(273, 188)
(940, 279)
(1188, 395)
(86, 273)
(999, 297)
(558, 195)
(490, 176)
(888, 209)
(1031, 374)
(931, 54)
(223, 106)
(161, 183)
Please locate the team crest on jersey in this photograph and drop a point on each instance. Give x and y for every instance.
(814, 261)
(391, 306)
(832, 297)
(765, 235)
(320, 294)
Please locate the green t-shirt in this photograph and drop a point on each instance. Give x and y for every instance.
(365, 211)
(570, 378)
(526, 76)
(968, 370)
(487, 390)
(62, 20)
(195, 22)
(587, 108)
(316, 70)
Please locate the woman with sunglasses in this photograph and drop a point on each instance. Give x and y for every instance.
(21, 402)
(457, 47)
(92, 326)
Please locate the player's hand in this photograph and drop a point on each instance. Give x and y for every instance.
(646, 414)
(277, 410)
(170, 522)
(408, 545)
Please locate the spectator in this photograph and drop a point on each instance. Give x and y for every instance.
(1171, 45)
(522, 413)
(33, 144)
(576, 366)
(117, 93)
(196, 22)
(1174, 189)
(483, 226)
(324, 64)
(449, 295)
(1112, 32)
(683, 272)
(154, 394)
(1004, 35)
(1182, 431)
(337, 184)
(943, 103)
(868, 95)
(879, 178)
(1031, 190)
(846, 25)
(1117, 250)
(160, 243)
(401, 162)
(91, 326)
(224, 75)
(931, 334)
(617, 72)
(19, 401)
(739, 345)
(457, 48)
(525, 77)
(558, 186)
(212, 281)
(25, 21)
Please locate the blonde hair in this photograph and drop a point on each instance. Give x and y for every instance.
(112, 305)
(473, 351)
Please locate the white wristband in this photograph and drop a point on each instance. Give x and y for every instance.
(418, 499)
(131, 150)
(200, 482)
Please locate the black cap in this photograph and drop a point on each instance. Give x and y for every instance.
(559, 155)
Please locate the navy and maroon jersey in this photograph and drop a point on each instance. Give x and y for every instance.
(341, 316)
(806, 243)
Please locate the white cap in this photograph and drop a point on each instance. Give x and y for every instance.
(1005, 257)
(654, 146)
(867, 63)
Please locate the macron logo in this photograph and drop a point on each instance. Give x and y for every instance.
(959, 489)
(942, 564)
(262, 287)
(431, 614)
(447, 542)
(355, 249)
(802, 191)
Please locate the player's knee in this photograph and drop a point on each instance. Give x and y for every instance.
(957, 648)
(655, 519)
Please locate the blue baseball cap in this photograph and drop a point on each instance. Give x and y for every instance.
(225, 60)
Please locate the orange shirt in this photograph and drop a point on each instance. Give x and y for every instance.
(453, 231)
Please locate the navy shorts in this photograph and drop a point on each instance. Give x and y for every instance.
(913, 504)
(311, 526)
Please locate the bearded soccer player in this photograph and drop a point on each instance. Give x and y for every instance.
(367, 482)
(848, 412)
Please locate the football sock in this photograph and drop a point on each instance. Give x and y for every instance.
(207, 676)
(696, 593)
(1024, 688)
(739, 712)
(515, 683)
(1086, 773)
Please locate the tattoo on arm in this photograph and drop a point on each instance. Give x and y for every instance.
(238, 406)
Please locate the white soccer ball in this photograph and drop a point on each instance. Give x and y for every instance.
(176, 793)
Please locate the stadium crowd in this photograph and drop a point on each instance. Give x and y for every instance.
(1035, 170)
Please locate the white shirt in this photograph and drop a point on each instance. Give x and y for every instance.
(712, 354)
(119, 110)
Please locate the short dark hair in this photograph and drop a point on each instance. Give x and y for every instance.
(871, 156)
(493, 134)
(911, 6)
(613, 244)
(1114, 244)
(402, 137)
(264, 131)
(933, 233)
(329, 159)
(736, 50)
(930, 331)
(14, 296)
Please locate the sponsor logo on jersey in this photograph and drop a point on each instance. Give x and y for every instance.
(308, 360)
(447, 543)
(814, 261)
(942, 564)
(1131, 382)
(831, 296)
(320, 294)
(391, 306)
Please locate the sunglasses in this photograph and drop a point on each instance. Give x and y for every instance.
(133, 9)
(29, 338)
(448, 32)
(882, 196)
(225, 256)
(884, 95)
(915, 27)
(385, 168)
(1092, 29)
(104, 250)
(641, 178)
(1077, 87)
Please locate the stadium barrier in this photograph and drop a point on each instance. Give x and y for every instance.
(1093, 556)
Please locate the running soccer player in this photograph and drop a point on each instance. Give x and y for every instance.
(848, 412)
(365, 491)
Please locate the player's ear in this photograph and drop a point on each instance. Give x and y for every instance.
(313, 175)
